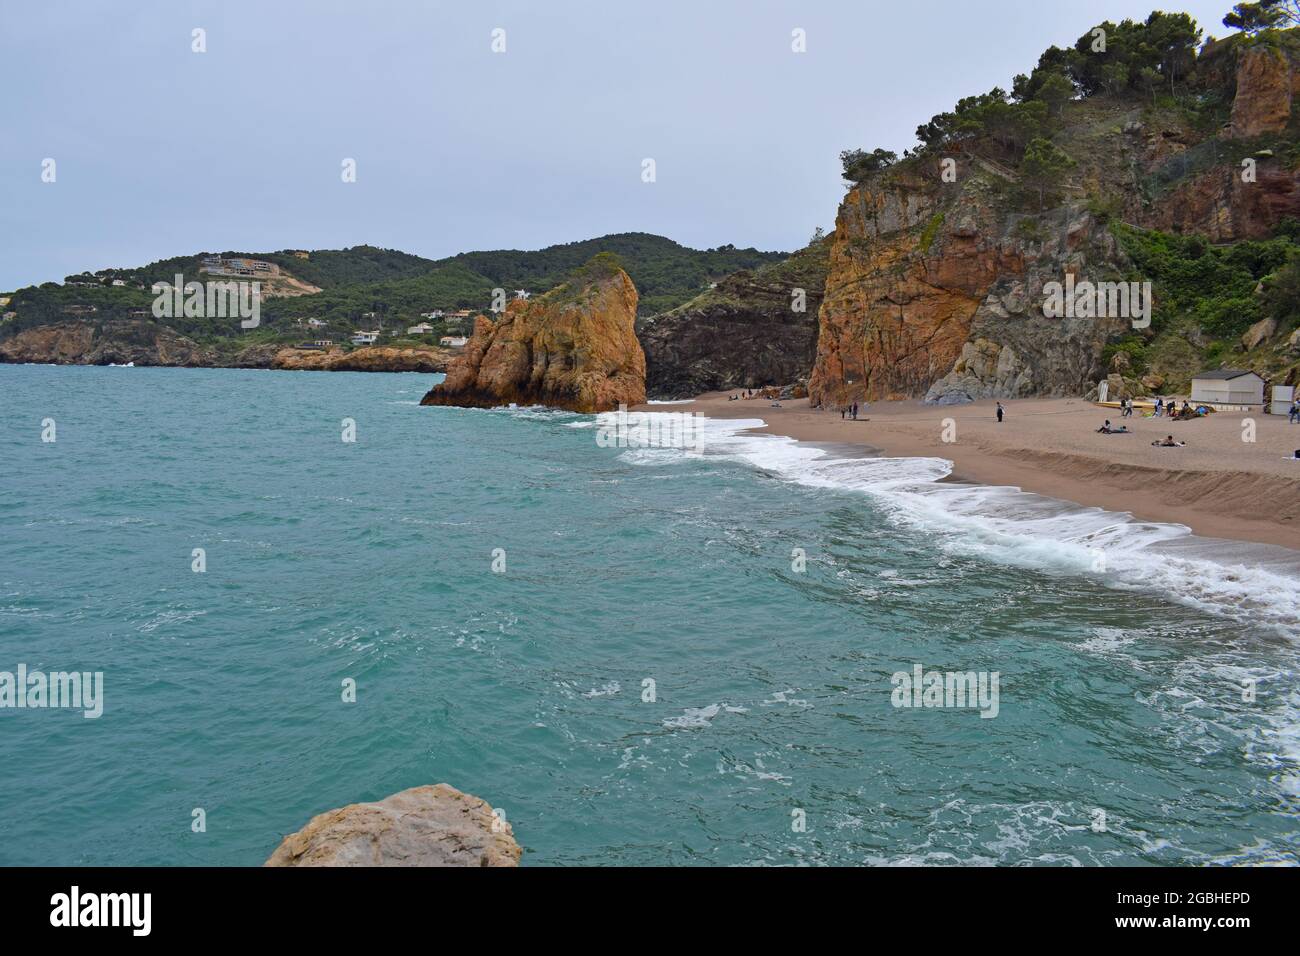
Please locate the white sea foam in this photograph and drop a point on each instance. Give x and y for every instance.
(1252, 583)
(694, 718)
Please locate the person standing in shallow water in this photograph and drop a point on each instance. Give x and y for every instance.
(1000, 411)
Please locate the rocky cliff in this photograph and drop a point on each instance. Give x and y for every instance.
(107, 343)
(934, 282)
(1266, 84)
(752, 329)
(936, 288)
(423, 826)
(573, 348)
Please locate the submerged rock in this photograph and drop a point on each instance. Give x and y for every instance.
(423, 826)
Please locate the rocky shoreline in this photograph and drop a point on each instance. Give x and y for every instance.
(145, 343)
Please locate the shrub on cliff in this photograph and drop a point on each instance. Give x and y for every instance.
(1112, 58)
(1264, 15)
(1044, 166)
(858, 164)
(1216, 286)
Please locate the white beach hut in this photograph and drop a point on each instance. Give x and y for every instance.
(1283, 396)
(1228, 386)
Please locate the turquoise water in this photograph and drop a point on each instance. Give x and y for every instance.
(373, 560)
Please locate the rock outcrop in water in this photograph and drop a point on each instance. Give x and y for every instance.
(366, 359)
(574, 347)
(147, 343)
(423, 826)
(107, 343)
(752, 329)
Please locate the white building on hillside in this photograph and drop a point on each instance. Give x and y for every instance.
(365, 338)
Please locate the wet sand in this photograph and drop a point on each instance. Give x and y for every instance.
(1218, 485)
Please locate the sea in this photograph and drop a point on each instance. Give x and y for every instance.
(303, 590)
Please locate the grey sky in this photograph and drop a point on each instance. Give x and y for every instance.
(161, 151)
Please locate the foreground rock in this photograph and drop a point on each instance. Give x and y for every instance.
(751, 330)
(573, 348)
(107, 343)
(423, 826)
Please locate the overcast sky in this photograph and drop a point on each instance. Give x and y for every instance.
(161, 151)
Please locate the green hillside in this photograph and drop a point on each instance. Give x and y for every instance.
(394, 286)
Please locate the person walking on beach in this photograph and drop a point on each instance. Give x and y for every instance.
(855, 411)
(1160, 407)
(844, 410)
(1294, 417)
(1000, 412)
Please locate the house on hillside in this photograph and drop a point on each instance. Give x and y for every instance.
(424, 328)
(453, 341)
(365, 338)
(1228, 386)
(235, 266)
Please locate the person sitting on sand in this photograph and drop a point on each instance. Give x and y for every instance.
(1168, 443)
(1104, 429)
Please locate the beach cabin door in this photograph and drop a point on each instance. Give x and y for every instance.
(1283, 396)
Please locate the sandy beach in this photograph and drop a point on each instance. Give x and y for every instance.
(1218, 485)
